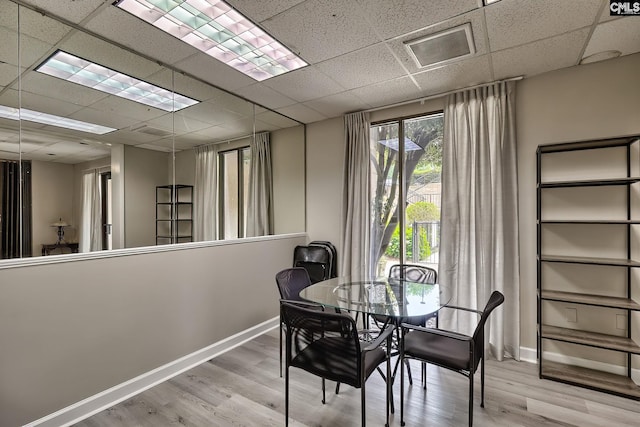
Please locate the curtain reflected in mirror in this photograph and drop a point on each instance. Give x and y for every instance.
(15, 199)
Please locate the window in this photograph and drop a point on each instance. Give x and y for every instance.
(233, 192)
(411, 148)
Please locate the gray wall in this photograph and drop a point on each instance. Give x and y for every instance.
(72, 329)
(143, 171)
(589, 101)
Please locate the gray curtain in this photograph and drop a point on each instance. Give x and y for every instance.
(479, 236)
(15, 199)
(205, 191)
(91, 222)
(356, 206)
(260, 203)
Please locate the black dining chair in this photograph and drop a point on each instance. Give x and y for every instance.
(451, 350)
(326, 344)
(290, 282)
(419, 274)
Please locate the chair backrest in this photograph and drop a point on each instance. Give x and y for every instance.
(495, 300)
(324, 343)
(414, 273)
(315, 259)
(291, 281)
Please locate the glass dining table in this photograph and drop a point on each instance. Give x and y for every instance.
(395, 298)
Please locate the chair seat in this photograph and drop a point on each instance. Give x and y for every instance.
(339, 363)
(438, 349)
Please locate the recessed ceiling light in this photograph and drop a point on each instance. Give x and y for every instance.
(49, 119)
(220, 31)
(86, 73)
(488, 2)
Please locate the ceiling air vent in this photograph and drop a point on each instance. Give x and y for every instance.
(150, 130)
(443, 47)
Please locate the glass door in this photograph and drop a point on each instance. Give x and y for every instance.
(406, 212)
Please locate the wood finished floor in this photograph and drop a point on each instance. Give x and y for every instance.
(243, 388)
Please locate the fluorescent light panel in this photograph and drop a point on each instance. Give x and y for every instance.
(220, 31)
(49, 119)
(74, 69)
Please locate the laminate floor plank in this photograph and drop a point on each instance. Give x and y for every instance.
(243, 388)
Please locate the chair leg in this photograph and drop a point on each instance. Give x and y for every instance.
(324, 400)
(424, 375)
(471, 399)
(337, 388)
(280, 350)
(363, 404)
(482, 382)
(388, 384)
(409, 371)
(401, 393)
(286, 397)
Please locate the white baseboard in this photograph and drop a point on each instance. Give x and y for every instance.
(105, 399)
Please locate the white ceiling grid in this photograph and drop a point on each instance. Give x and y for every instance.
(355, 50)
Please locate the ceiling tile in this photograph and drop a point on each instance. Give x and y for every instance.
(540, 57)
(213, 71)
(377, 60)
(476, 20)
(120, 26)
(515, 22)
(338, 104)
(74, 11)
(622, 35)
(45, 104)
(99, 117)
(319, 30)
(295, 84)
(9, 15)
(262, 94)
(45, 29)
(109, 55)
(53, 87)
(135, 110)
(258, 11)
(180, 124)
(302, 113)
(391, 18)
(275, 119)
(388, 92)
(458, 75)
(8, 73)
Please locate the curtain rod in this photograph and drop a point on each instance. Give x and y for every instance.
(440, 95)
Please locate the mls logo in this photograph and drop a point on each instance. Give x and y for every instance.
(624, 8)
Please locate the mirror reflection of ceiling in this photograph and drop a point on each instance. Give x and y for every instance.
(219, 116)
(357, 49)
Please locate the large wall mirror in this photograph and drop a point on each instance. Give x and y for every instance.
(83, 169)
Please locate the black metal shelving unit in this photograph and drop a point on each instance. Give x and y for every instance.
(174, 214)
(549, 293)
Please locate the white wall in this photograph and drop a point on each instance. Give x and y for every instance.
(51, 199)
(598, 100)
(79, 326)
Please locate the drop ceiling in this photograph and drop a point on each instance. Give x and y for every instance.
(356, 50)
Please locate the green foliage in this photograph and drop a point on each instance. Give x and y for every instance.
(393, 249)
(423, 211)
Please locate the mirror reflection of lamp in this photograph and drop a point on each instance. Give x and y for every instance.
(60, 224)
